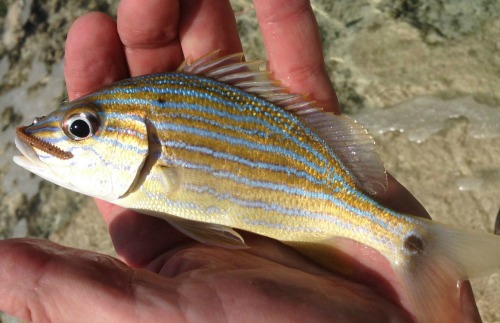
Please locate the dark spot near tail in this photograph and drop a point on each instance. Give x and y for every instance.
(161, 101)
(413, 244)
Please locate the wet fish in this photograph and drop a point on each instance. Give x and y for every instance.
(219, 145)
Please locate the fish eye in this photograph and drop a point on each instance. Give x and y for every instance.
(81, 125)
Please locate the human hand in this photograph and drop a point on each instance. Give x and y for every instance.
(165, 275)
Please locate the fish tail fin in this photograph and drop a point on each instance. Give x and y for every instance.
(431, 280)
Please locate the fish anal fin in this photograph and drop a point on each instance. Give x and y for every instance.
(209, 234)
(430, 291)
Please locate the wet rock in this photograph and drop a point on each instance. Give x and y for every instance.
(447, 18)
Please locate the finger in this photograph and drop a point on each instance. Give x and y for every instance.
(149, 31)
(139, 239)
(293, 49)
(206, 26)
(94, 55)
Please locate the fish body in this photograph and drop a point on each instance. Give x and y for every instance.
(217, 145)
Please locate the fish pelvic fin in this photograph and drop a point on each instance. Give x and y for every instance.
(209, 233)
(431, 280)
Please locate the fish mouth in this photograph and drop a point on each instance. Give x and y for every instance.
(29, 155)
(25, 143)
(29, 158)
(31, 161)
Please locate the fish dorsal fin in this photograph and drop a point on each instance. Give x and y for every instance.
(233, 70)
(348, 139)
(354, 146)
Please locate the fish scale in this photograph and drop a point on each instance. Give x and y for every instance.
(218, 145)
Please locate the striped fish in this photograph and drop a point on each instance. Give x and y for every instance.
(218, 145)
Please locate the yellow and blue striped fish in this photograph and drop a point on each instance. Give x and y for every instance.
(218, 145)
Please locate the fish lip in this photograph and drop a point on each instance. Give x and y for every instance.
(32, 162)
(22, 136)
(28, 154)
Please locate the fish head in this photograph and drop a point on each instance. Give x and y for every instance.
(85, 147)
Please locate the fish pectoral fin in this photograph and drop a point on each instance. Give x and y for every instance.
(209, 234)
(169, 178)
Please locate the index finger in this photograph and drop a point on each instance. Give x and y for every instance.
(294, 50)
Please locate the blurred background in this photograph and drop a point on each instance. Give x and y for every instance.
(422, 75)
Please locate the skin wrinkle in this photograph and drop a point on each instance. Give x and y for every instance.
(162, 39)
(132, 291)
(147, 35)
(148, 307)
(37, 286)
(183, 262)
(292, 296)
(160, 265)
(306, 71)
(220, 301)
(29, 311)
(297, 8)
(122, 286)
(183, 299)
(288, 295)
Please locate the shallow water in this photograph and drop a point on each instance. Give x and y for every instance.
(422, 117)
